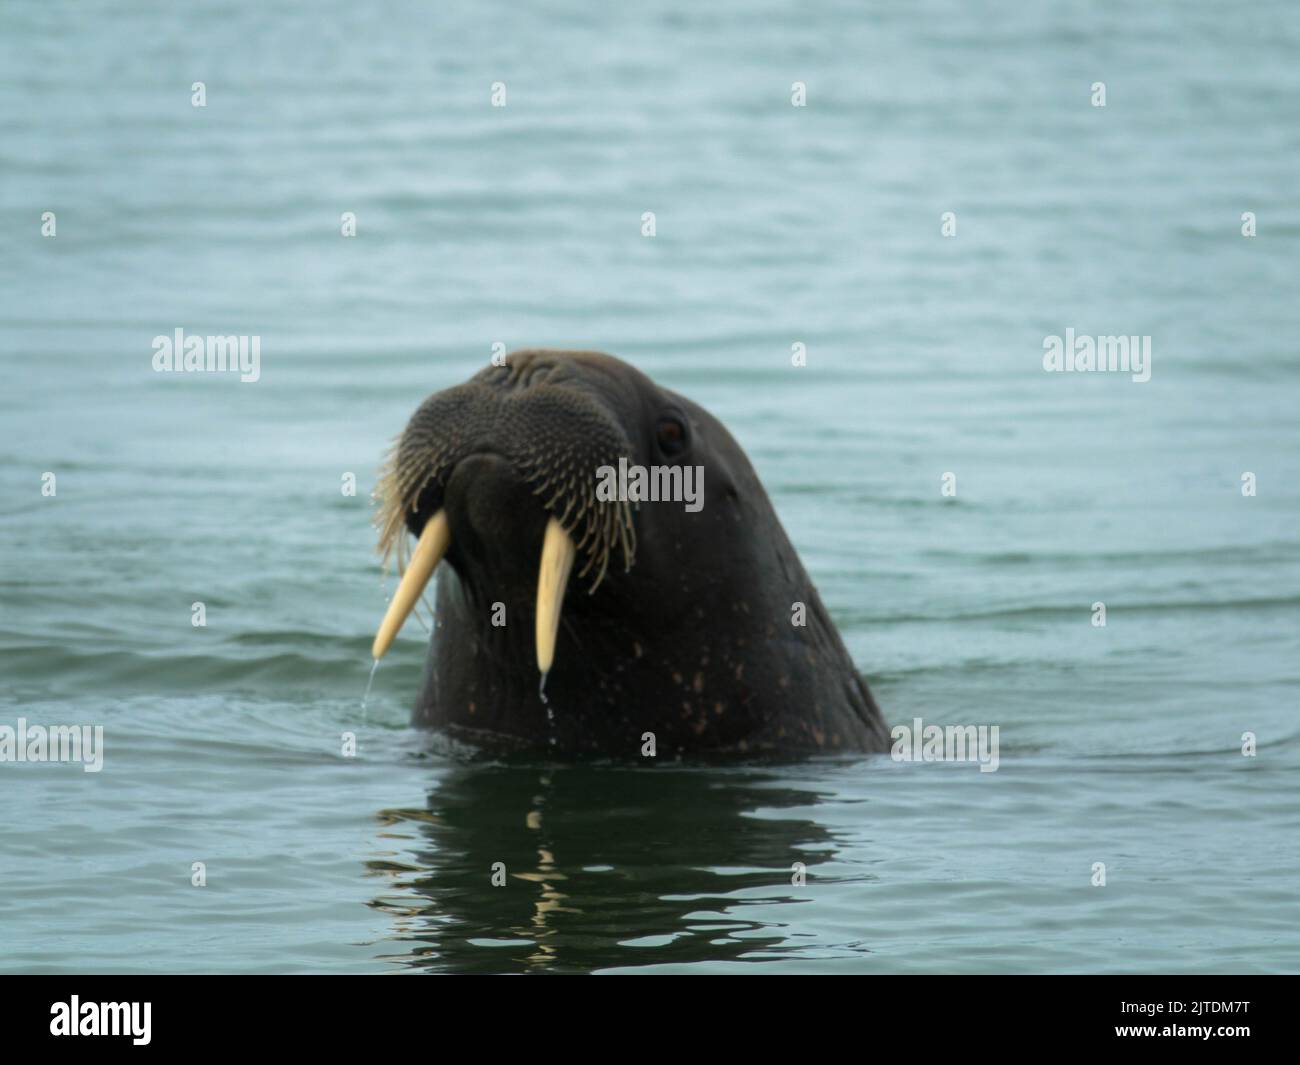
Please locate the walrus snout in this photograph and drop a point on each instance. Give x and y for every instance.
(501, 472)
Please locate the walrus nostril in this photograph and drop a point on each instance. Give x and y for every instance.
(536, 372)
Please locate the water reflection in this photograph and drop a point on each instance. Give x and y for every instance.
(603, 866)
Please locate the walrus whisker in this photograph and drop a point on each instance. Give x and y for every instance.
(568, 507)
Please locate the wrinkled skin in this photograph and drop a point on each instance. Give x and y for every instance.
(693, 642)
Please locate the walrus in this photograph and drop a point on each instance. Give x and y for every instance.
(575, 618)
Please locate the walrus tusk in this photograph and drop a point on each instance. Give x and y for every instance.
(429, 550)
(552, 576)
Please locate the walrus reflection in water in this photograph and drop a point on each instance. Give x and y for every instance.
(594, 855)
(637, 618)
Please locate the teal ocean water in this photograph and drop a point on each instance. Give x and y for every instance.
(775, 225)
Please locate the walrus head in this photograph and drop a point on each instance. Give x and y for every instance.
(679, 621)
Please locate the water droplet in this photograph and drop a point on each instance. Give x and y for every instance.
(374, 665)
(550, 711)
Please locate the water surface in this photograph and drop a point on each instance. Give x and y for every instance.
(775, 225)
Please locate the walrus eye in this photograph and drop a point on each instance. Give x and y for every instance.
(670, 434)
